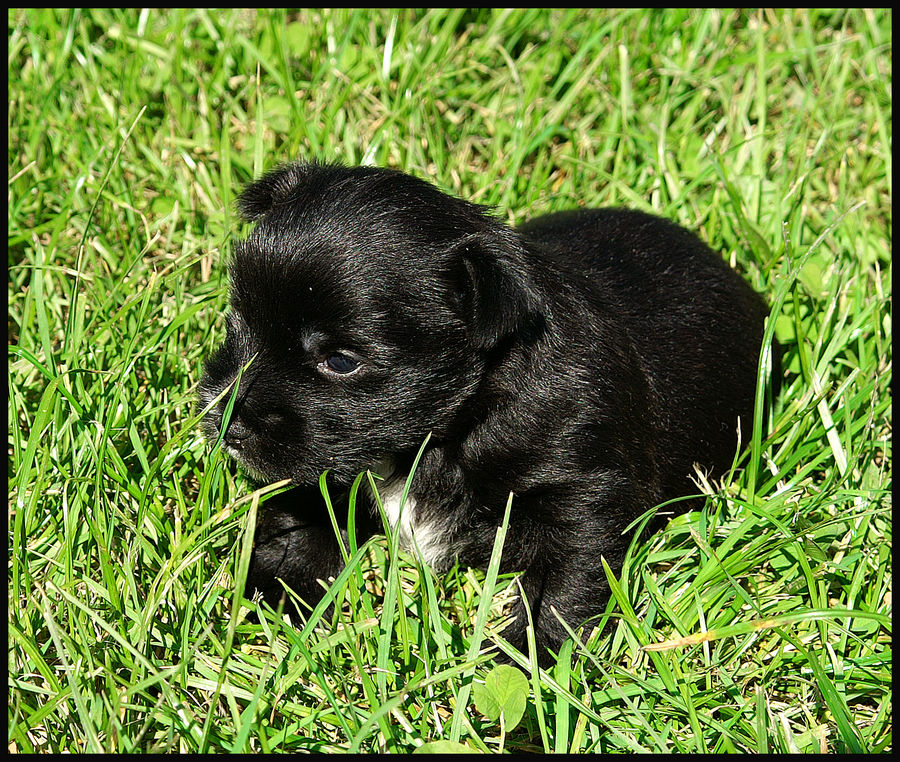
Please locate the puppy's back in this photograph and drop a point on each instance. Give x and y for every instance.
(695, 323)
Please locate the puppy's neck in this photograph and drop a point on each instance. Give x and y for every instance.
(390, 489)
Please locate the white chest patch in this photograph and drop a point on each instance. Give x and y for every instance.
(414, 533)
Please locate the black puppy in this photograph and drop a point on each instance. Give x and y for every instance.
(584, 362)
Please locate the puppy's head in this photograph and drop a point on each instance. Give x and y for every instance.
(364, 307)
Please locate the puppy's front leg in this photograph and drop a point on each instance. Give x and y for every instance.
(295, 542)
(570, 584)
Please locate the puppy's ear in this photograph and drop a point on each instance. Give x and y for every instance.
(275, 187)
(499, 296)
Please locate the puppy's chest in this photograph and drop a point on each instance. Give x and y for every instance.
(418, 524)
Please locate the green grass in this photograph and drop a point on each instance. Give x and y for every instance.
(769, 133)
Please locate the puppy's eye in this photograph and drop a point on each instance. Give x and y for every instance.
(341, 363)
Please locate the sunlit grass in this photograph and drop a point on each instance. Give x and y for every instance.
(761, 623)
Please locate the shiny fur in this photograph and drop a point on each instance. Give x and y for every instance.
(583, 361)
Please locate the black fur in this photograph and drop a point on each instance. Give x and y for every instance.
(584, 361)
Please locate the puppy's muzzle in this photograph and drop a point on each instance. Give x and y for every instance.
(237, 434)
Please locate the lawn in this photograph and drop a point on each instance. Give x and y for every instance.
(761, 623)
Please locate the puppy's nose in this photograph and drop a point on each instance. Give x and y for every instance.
(237, 433)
